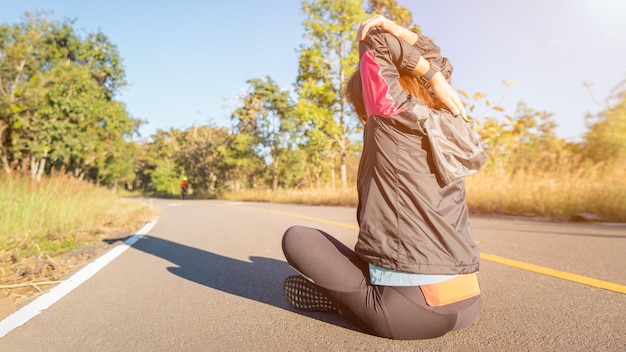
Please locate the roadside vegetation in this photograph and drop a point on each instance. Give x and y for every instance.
(596, 194)
(48, 227)
(68, 146)
(57, 214)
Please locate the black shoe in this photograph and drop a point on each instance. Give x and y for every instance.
(303, 295)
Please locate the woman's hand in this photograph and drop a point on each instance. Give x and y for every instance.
(444, 92)
(378, 21)
(388, 26)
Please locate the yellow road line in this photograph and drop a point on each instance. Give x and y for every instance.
(555, 273)
(492, 258)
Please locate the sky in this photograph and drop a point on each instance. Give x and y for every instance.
(186, 62)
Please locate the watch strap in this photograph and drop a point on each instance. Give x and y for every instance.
(434, 68)
(431, 72)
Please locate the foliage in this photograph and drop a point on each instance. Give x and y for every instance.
(522, 141)
(390, 9)
(166, 178)
(533, 172)
(207, 155)
(606, 138)
(57, 111)
(266, 120)
(329, 57)
(202, 157)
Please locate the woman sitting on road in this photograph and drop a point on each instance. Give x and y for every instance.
(413, 274)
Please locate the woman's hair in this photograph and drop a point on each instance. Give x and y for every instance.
(409, 83)
(354, 96)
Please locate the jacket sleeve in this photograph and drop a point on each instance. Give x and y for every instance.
(431, 52)
(382, 58)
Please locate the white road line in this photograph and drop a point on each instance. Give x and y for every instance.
(45, 301)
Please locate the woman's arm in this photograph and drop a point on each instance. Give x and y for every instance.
(439, 85)
(388, 26)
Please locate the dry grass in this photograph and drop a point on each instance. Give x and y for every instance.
(556, 195)
(42, 221)
(321, 196)
(52, 213)
(550, 194)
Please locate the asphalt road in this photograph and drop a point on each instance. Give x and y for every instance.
(208, 277)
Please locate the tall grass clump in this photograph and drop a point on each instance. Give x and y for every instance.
(310, 196)
(558, 193)
(58, 214)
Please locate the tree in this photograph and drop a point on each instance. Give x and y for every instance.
(266, 117)
(605, 139)
(202, 154)
(245, 166)
(165, 178)
(155, 165)
(526, 139)
(23, 47)
(57, 107)
(329, 57)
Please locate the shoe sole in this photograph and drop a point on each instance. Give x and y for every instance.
(303, 295)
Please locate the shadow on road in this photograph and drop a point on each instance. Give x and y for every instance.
(260, 279)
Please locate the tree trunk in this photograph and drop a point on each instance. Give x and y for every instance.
(3, 153)
(5, 164)
(42, 167)
(344, 170)
(342, 158)
(34, 166)
(275, 175)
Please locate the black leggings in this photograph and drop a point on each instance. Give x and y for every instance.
(395, 312)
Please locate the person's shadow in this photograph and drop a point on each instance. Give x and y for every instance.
(260, 279)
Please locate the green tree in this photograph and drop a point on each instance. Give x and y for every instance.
(245, 167)
(266, 116)
(165, 178)
(23, 50)
(202, 156)
(157, 155)
(326, 61)
(202, 153)
(57, 107)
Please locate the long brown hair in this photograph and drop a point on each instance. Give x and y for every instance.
(410, 84)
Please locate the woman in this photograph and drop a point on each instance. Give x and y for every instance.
(412, 274)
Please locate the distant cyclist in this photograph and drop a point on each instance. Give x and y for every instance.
(184, 185)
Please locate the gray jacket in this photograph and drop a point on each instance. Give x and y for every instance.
(412, 212)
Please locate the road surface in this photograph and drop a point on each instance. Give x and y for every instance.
(208, 275)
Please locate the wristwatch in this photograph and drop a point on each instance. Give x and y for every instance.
(434, 68)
